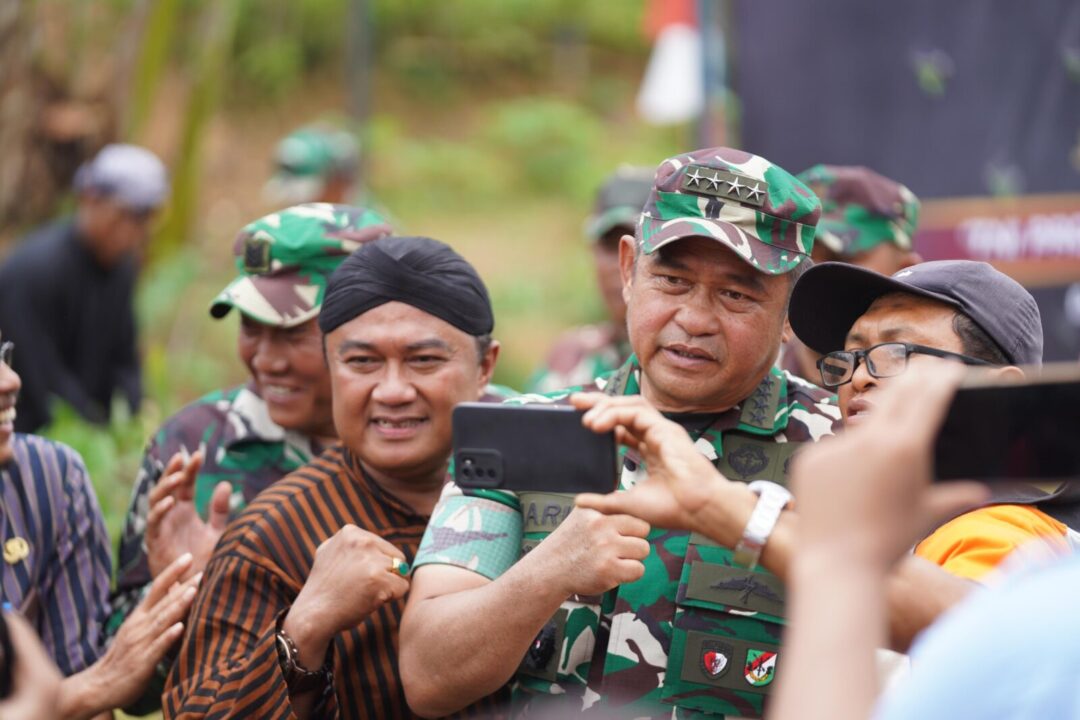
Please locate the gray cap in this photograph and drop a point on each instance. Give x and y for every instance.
(830, 297)
(619, 201)
(132, 176)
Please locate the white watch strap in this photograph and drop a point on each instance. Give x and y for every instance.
(772, 499)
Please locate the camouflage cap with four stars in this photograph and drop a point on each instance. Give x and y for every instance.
(619, 201)
(758, 209)
(285, 259)
(861, 209)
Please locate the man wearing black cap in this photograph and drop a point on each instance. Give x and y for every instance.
(868, 325)
(303, 594)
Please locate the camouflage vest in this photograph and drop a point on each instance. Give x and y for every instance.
(696, 634)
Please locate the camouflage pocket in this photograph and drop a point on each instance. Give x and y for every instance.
(725, 635)
(561, 654)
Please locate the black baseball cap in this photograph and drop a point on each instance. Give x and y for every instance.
(829, 298)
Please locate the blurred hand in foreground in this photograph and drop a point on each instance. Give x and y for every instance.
(35, 680)
(867, 493)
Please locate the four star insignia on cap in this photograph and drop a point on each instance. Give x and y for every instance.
(703, 180)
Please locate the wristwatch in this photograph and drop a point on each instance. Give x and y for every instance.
(772, 499)
(298, 678)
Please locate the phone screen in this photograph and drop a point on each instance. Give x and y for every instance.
(1024, 431)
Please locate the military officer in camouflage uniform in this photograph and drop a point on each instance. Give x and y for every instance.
(235, 442)
(603, 614)
(866, 220)
(584, 353)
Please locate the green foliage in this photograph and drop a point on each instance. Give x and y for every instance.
(548, 141)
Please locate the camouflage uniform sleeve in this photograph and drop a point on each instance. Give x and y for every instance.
(481, 532)
(133, 572)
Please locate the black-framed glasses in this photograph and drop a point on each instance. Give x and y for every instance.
(7, 351)
(882, 361)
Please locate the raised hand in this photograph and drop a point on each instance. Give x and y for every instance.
(120, 676)
(173, 526)
(680, 479)
(867, 493)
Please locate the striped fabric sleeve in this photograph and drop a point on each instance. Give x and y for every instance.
(228, 665)
(75, 587)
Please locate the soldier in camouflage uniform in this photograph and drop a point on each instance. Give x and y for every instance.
(866, 220)
(251, 435)
(600, 621)
(315, 163)
(584, 353)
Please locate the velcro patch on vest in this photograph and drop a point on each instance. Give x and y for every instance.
(729, 663)
(735, 587)
(543, 512)
(748, 459)
(542, 658)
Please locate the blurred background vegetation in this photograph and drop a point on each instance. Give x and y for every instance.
(489, 125)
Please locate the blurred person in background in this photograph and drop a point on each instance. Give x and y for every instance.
(315, 163)
(66, 292)
(303, 596)
(866, 220)
(212, 457)
(57, 568)
(584, 353)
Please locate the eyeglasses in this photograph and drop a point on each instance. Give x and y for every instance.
(882, 361)
(7, 351)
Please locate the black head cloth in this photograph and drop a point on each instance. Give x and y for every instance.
(418, 271)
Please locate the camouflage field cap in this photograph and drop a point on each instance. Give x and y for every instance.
(758, 209)
(306, 158)
(619, 201)
(861, 209)
(285, 259)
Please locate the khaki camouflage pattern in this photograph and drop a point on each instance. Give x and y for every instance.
(752, 206)
(638, 651)
(861, 209)
(578, 356)
(285, 259)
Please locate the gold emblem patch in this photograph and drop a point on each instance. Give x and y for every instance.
(16, 550)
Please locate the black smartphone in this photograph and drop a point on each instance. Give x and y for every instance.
(1027, 430)
(531, 448)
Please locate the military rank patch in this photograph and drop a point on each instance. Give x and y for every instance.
(715, 658)
(760, 667)
(748, 460)
(703, 180)
(256, 255)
